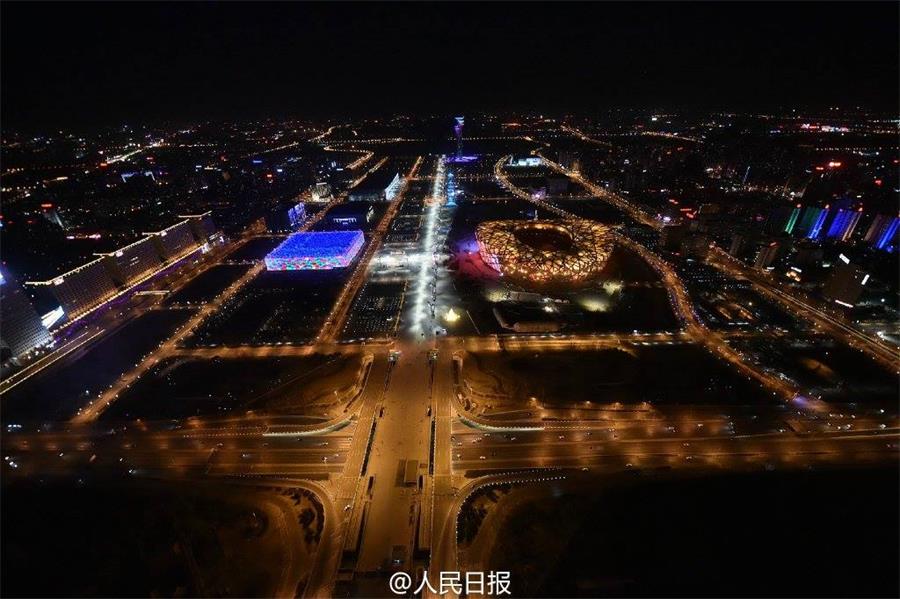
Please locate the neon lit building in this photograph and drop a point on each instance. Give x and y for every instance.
(808, 220)
(792, 220)
(817, 225)
(886, 241)
(843, 225)
(876, 228)
(458, 129)
(319, 250)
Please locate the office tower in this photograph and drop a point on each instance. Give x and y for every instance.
(845, 285)
(767, 255)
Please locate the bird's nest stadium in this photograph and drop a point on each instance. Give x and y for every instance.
(566, 251)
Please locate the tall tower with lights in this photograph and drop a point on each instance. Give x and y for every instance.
(458, 129)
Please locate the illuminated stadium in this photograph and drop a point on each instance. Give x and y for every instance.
(546, 251)
(316, 251)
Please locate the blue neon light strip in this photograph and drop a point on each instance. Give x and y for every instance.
(817, 227)
(839, 223)
(888, 234)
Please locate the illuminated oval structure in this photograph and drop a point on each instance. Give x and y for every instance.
(568, 251)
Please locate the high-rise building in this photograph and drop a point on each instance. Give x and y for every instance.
(133, 262)
(807, 253)
(844, 224)
(767, 255)
(671, 235)
(779, 218)
(808, 220)
(845, 285)
(82, 289)
(695, 245)
(876, 228)
(883, 232)
(173, 242)
(570, 161)
(816, 229)
(21, 329)
(741, 244)
(792, 220)
(202, 227)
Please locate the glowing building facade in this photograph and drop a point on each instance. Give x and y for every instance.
(320, 250)
(22, 329)
(547, 251)
(82, 289)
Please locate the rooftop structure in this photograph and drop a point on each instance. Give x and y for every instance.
(316, 250)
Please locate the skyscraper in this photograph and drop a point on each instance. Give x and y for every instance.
(767, 255)
(843, 225)
(845, 285)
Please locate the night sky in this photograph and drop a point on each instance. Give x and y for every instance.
(76, 65)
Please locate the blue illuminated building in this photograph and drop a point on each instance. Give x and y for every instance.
(840, 223)
(816, 229)
(884, 241)
(316, 251)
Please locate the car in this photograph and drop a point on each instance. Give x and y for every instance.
(481, 457)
